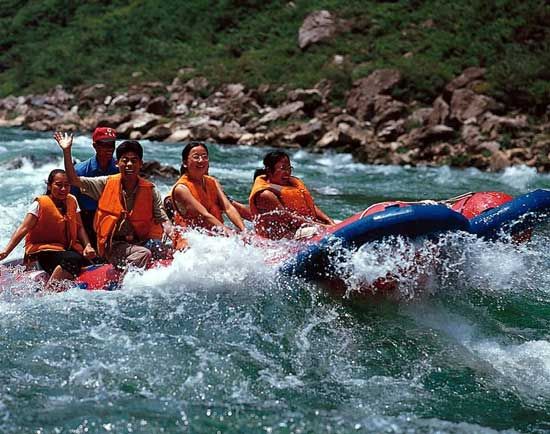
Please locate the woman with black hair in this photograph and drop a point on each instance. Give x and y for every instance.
(197, 198)
(279, 202)
(54, 233)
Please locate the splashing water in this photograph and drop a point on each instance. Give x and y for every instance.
(219, 342)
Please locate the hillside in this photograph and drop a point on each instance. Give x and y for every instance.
(124, 42)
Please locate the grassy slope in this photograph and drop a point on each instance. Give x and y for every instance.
(47, 42)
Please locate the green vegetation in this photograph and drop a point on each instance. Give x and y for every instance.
(48, 42)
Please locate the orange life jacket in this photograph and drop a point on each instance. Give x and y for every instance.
(205, 192)
(111, 213)
(294, 197)
(53, 230)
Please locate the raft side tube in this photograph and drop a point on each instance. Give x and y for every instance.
(411, 221)
(520, 214)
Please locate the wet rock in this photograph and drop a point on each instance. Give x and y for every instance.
(19, 162)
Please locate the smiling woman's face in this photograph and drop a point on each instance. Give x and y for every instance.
(281, 172)
(60, 187)
(197, 161)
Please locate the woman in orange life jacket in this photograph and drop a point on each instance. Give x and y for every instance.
(197, 198)
(54, 232)
(280, 203)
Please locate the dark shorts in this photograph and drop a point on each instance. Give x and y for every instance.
(69, 260)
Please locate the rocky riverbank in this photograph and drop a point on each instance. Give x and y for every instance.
(462, 128)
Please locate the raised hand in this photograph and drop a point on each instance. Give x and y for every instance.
(64, 140)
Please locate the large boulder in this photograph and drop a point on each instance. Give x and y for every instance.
(391, 130)
(345, 138)
(230, 133)
(312, 99)
(158, 106)
(492, 124)
(387, 109)
(58, 96)
(361, 98)
(306, 133)
(317, 26)
(179, 135)
(153, 169)
(141, 122)
(282, 112)
(159, 132)
(471, 135)
(466, 104)
(440, 112)
(468, 76)
(425, 135)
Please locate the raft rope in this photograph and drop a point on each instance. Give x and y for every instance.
(446, 202)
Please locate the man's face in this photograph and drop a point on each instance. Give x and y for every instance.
(129, 165)
(104, 150)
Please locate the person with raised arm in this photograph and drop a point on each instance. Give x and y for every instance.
(100, 164)
(54, 234)
(280, 203)
(129, 220)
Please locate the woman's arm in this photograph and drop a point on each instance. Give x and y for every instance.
(28, 223)
(183, 198)
(268, 202)
(322, 216)
(242, 209)
(229, 209)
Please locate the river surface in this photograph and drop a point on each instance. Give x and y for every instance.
(218, 342)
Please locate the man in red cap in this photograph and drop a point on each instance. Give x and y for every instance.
(101, 164)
